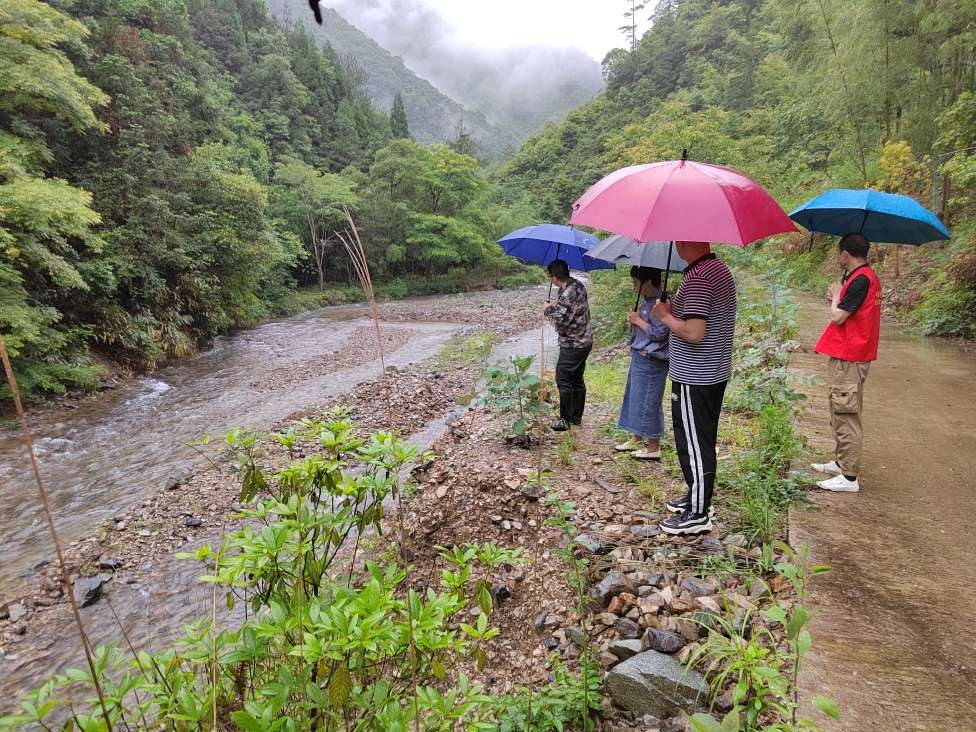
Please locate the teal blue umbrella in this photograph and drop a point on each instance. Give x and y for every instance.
(887, 218)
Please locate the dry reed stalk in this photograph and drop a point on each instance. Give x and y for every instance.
(357, 254)
(46, 504)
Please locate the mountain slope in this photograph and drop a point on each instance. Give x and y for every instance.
(433, 116)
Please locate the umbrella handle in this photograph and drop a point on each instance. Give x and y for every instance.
(667, 271)
(549, 296)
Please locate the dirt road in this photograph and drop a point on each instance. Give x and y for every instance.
(895, 640)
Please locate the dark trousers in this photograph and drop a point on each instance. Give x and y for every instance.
(694, 415)
(569, 380)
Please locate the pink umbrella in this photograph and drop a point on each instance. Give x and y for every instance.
(681, 200)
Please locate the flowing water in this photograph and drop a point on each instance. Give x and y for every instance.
(895, 641)
(109, 452)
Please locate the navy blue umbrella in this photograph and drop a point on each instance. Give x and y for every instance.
(881, 217)
(544, 243)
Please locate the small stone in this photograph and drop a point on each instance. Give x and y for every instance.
(610, 586)
(501, 593)
(712, 545)
(759, 590)
(540, 621)
(699, 587)
(192, 522)
(145, 532)
(506, 525)
(645, 531)
(496, 519)
(664, 641)
(21, 629)
(15, 612)
(173, 482)
(738, 540)
(88, 590)
(441, 491)
(628, 629)
(576, 635)
(687, 629)
(531, 492)
(592, 545)
(517, 525)
(110, 563)
(624, 649)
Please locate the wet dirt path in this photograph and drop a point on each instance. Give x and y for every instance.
(895, 639)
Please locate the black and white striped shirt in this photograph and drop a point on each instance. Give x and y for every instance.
(707, 292)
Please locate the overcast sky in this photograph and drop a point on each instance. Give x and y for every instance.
(590, 25)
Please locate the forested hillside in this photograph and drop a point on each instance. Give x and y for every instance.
(170, 170)
(804, 95)
(433, 116)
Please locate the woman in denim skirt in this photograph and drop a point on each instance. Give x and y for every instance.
(642, 412)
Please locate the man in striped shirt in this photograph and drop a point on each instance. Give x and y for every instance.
(701, 318)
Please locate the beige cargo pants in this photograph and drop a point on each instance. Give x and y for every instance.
(845, 394)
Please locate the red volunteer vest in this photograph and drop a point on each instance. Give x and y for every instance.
(856, 339)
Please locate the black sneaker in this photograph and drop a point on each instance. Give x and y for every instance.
(560, 425)
(680, 505)
(686, 523)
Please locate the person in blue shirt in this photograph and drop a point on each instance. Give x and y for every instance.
(642, 411)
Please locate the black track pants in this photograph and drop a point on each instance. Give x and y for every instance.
(694, 415)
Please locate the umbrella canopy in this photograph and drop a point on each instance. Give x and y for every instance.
(681, 200)
(543, 243)
(624, 250)
(882, 217)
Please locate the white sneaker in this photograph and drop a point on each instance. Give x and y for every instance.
(628, 446)
(644, 454)
(831, 468)
(839, 484)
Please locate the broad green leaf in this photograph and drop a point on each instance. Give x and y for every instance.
(340, 686)
(826, 705)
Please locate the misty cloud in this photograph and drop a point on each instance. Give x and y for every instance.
(522, 87)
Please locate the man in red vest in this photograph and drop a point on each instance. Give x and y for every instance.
(851, 341)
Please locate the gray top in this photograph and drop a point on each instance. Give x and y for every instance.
(652, 342)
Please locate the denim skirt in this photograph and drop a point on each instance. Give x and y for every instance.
(642, 413)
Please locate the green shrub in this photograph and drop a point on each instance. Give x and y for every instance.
(324, 646)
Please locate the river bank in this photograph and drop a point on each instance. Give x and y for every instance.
(100, 457)
(638, 596)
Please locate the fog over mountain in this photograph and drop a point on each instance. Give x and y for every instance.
(521, 88)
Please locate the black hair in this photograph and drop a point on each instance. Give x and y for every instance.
(855, 244)
(559, 269)
(643, 274)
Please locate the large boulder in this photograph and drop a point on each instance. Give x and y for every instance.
(654, 683)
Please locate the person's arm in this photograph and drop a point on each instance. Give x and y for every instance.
(842, 309)
(696, 307)
(690, 330)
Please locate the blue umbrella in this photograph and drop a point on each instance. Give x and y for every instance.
(882, 217)
(544, 243)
